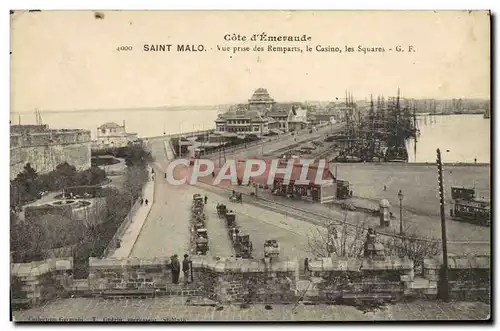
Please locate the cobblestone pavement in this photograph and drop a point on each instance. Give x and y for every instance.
(172, 309)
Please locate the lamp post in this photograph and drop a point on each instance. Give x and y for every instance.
(401, 197)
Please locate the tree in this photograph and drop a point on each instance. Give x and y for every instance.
(413, 247)
(25, 241)
(338, 239)
(135, 177)
(25, 185)
(64, 175)
(92, 176)
(348, 241)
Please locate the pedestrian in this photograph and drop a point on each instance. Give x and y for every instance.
(185, 269)
(206, 198)
(385, 188)
(146, 201)
(475, 160)
(175, 265)
(165, 175)
(142, 201)
(306, 265)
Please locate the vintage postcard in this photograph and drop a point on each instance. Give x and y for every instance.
(238, 166)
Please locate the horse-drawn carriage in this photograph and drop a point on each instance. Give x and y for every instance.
(202, 233)
(221, 210)
(271, 248)
(244, 246)
(197, 200)
(201, 246)
(233, 234)
(230, 219)
(236, 197)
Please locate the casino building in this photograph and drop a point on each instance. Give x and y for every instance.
(261, 116)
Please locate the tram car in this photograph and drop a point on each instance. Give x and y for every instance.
(466, 207)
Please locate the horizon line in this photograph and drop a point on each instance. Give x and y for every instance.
(215, 106)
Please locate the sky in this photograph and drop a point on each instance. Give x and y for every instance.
(67, 60)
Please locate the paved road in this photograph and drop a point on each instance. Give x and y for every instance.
(219, 242)
(276, 143)
(178, 309)
(262, 224)
(166, 230)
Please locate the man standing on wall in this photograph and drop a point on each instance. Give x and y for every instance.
(175, 265)
(185, 269)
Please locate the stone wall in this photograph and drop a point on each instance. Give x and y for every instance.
(44, 149)
(36, 282)
(256, 281)
(335, 279)
(469, 277)
(128, 274)
(242, 280)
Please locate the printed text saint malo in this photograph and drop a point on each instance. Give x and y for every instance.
(168, 48)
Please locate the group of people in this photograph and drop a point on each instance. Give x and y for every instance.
(144, 201)
(237, 196)
(175, 265)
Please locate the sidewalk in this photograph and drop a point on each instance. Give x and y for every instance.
(168, 150)
(128, 239)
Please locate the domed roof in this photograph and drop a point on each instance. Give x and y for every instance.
(384, 203)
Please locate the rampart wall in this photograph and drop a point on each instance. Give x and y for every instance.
(44, 149)
(332, 280)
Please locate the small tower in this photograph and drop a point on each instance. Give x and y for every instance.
(384, 206)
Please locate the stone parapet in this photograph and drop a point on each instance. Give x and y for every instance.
(36, 282)
(469, 278)
(232, 280)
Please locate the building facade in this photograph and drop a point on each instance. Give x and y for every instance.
(260, 116)
(322, 193)
(238, 120)
(113, 135)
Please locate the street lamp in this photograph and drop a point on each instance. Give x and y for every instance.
(401, 197)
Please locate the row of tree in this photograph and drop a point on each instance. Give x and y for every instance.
(29, 240)
(349, 241)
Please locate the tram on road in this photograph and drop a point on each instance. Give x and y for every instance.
(466, 207)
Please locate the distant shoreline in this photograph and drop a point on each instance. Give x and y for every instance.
(417, 164)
